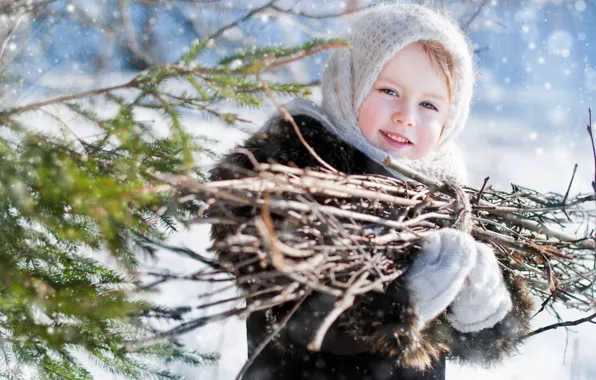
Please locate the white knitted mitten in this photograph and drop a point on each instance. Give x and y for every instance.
(483, 300)
(438, 272)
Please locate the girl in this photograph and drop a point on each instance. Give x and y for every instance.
(402, 89)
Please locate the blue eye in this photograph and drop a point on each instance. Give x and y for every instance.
(389, 91)
(429, 106)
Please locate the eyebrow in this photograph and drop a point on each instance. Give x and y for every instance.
(435, 96)
(426, 95)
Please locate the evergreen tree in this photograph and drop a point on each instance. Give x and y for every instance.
(64, 198)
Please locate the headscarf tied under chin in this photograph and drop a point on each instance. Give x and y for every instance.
(375, 36)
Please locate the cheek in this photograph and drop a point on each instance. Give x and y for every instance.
(434, 129)
(428, 137)
(430, 141)
(367, 118)
(434, 134)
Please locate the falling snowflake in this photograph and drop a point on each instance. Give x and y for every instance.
(580, 6)
(560, 43)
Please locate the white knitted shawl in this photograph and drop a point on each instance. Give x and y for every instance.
(375, 36)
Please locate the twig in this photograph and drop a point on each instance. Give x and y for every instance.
(135, 346)
(589, 128)
(594, 156)
(86, 94)
(265, 228)
(479, 195)
(342, 305)
(567, 193)
(569, 187)
(270, 336)
(585, 276)
(473, 17)
(287, 117)
(333, 217)
(320, 16)
(589, 318)
(9, 37)
(130, 34)
(352, 182)
(545, 303)
(180, 329)
(253, 12)
(237, 298)
(269, 62)
(419, 177)
(502, 212)
(542, 229)
(297, 206)
(180, 250)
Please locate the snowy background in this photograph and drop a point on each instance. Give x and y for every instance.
(528, 125)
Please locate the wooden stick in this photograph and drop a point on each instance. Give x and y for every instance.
(342, 305)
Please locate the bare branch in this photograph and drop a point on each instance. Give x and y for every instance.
(270, 336)
(342, 305)
(589, 318)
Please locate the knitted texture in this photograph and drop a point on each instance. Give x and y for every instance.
(438, 272)
(483, 300)
(375, 36)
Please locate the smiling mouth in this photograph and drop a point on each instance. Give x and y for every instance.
(396, 140)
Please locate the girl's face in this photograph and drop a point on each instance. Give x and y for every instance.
(407, 106)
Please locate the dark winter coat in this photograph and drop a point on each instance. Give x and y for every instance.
(375, 340)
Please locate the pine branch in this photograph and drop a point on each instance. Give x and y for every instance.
(67, 194)
(66, 98)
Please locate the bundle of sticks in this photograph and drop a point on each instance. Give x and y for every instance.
(314, 230)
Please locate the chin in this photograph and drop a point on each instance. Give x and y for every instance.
(399, 153)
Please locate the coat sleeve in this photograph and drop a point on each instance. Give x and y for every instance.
(393, 332)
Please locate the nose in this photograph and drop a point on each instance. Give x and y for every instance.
(404, 117)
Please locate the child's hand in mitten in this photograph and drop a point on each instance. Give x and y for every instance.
(483, 300)
(438, 272)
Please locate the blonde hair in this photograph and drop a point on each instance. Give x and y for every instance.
(441, 60)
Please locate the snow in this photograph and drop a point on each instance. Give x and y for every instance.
(560, 42)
